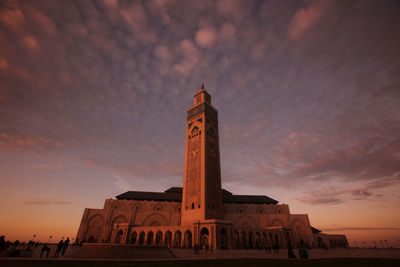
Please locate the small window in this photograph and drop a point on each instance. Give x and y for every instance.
(192, 205)
(199, 206)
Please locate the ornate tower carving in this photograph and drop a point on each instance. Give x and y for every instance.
(201, 199)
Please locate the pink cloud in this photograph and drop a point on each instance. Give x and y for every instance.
(190, 58)
(45, 201)
(205, 38)
(3, 63)
(41, 20)
(13, 18)
(227, 32)
(136, 18)
(46, 166)
(26, 143)
(111, 3)
(31, 42)
(231, 9)
(305, 18)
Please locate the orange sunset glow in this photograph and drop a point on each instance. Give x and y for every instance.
(94, 97)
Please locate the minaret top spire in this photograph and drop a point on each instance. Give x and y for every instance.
(202, 96)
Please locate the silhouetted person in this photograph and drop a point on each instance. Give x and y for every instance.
(45, 248)
(59, 248)
(2, 243)
(276, 246)
(303, 254)
(15, 244)
(65, 246)
(196, 250)
(290, 251)
(211, 249)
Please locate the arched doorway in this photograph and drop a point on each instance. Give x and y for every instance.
(244, 240)
(258, 240)
(277, 244)
(177, 239)
(118, 238)
(159, 238)
(265, 240)
(167, 239)
(141, 238)
(188, 239)
(133, 238)
(150, 238)
(224, 241)
(236, 240)
(251, 240)
(204, 238)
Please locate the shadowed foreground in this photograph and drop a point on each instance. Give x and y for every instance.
(219, 263)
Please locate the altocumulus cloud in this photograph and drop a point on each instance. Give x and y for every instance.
(307, 91)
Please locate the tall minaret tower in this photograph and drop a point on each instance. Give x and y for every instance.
(201, 199)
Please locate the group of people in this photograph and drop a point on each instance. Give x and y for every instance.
(275, 248)
(303, 254)
(196, 249)
(61, 248)
(14, 245)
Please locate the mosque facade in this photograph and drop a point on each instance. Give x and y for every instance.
(201, 212)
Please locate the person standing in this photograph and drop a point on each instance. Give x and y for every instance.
(290, 251)
(2, 243)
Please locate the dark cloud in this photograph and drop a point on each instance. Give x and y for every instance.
(360, 229)
(307, 92)
(334, 195)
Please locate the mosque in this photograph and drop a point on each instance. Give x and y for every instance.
(201, 212)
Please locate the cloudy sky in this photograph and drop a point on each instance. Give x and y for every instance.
(93, 99)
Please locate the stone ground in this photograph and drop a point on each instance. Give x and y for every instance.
(187, 254)
(354, 262)
(313, 254)
(248, 258)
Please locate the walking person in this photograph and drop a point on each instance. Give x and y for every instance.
(45, 248)
(303, 254)
(65, 246)
(59, 248)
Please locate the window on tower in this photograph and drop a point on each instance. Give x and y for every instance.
(194, 133)
(192, 206)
